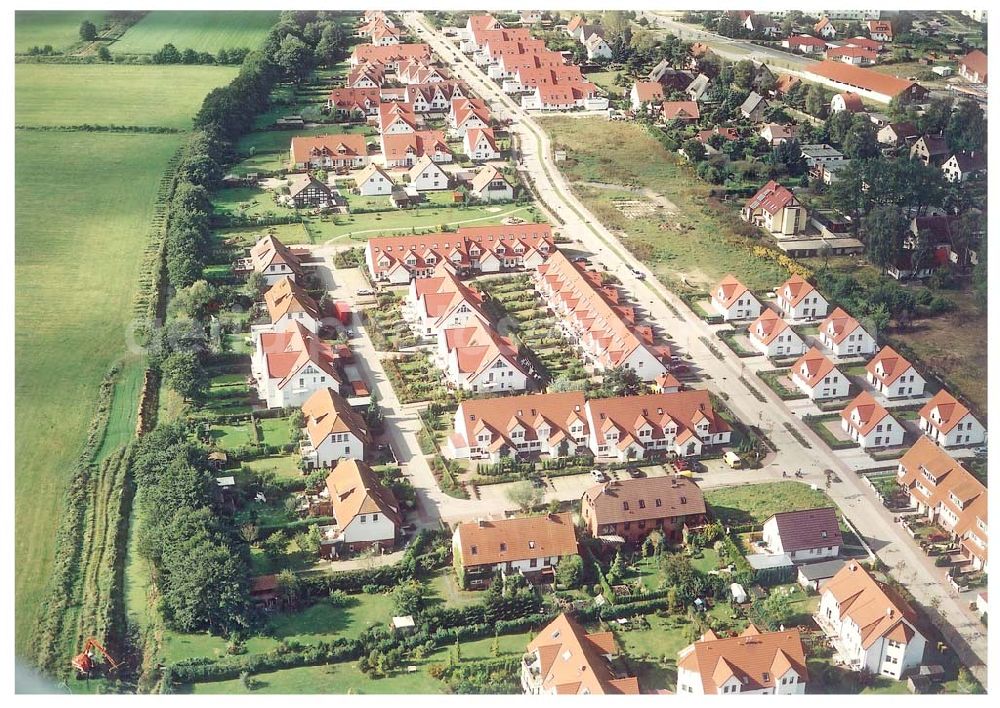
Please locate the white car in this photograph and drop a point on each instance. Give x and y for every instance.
(366, 292)
(637, 273)
(599, 476)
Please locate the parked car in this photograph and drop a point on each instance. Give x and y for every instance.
(365, 292)
(639, 275)
(980, 451)
(635, 472)
(579, 259)
(599, 476)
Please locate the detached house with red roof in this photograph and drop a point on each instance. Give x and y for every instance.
(870, 623)
(805, 44)
(684, 111)
(345, 151)
(805, 535)
(288, 305)
(856, 56)
(825, 28)
(564, 97)
(844, 335)
(480, 145)
(869, 424)
(949, 423)
(776, 209)
(334, 430)
(753, 663)
(366, 514)
(553, 424)
(468, 113)
(816, 376)
(880, 30)
(406, 149)
(289, 366)
(477, 358)
(348, 102)
(893, 376)
(565, 660)
(949, 495)
(442, 302)
(646, 92)
(974, 67)
(799, 300)
(773, 337)
(531, 546)
(734, 301)
(638, 427)
(390, 55)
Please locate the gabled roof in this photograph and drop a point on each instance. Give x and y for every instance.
(555, 411)
(682, 411)
(349, 99)
(786, 82)
(816, 367)
(943, 477)
(508, 540)
(422, 164)
(864, 42)
(880, 27)
(648, 90)
(368, 172)
(486, 175)
(680, 109)
(474, 135)
(731, 289)
(302, 181)
(877, 609)
(798, 287)
(976, 61)
(893, 366)
(391, 52)
(968, 162)
(573, 662)
(477, 347)
(644, 498)
(285, 297)
(270, 251)
(851, 51)
(852, 102)
(839, 325)
(344, 145)
(870, 413)
(397, 146)
(327, 412)
(808, 528)
(948, 409)
(772, 198)
(752, 102)
(287, 353)
(805, 40)
(354, 489)
(858, 77)
(768, 326)
(756, 659)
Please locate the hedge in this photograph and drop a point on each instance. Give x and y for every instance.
(204, 669)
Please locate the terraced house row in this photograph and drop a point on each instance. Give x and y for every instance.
(560, 424)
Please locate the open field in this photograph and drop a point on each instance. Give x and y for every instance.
(68, 94)
(79, 262)
(754, 503)
(202, 31)
(362, 227)
(60, 28)
(698, 243)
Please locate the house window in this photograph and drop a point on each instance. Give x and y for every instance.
(659, 502)
(474, 550)
(642, 504)
(503, 547)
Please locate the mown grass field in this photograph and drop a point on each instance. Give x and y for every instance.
(755, 503)
(76, 260)
(83, 204)
(60, 28)
(203, 31)
(696, 243)
(66, 94)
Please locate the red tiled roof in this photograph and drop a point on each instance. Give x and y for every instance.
(648, 90)
(509, 540)
(863, 52)
(950, 411)
(893, 366)
(757, 659)
(870, 413)
(861, 78)
(680, 109)
(838, 325)
(344, 145)
(397, 146)
(772, 198)
(976, 61)
(812, 367)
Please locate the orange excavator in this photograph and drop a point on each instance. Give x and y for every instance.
(84, 661)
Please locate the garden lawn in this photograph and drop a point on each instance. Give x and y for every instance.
(77, 94)
(361, 227)
(333, 678)
(698, 243)
(282, 465)
(276, 431)
(198, 30)
(60, 28)
(755, 503)
(76, 257)
(652, 653)
(230, 437)
(606, 80)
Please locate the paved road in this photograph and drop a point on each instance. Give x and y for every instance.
(959, 625)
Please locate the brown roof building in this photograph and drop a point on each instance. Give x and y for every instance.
(530, 545)
(367, 513)
(873, 84)
(755, 662)
(631, 508)
(565, 660)
(805, 535)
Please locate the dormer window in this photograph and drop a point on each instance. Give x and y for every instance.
(642, 503)
(474, 550)
(531, 544)
(503, 547)
(625, 505)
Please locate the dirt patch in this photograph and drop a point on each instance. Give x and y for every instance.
(634, 208)
(836, 431)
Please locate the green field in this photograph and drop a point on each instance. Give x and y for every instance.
(68, 94)
(76, 268)
(60, 28)
(202, 31)
(364, 226)
(755, 503)
(697, 242)
(83, 205)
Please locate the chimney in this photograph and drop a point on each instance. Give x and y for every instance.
(481, 522)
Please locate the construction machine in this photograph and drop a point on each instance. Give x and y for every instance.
(84, 661)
